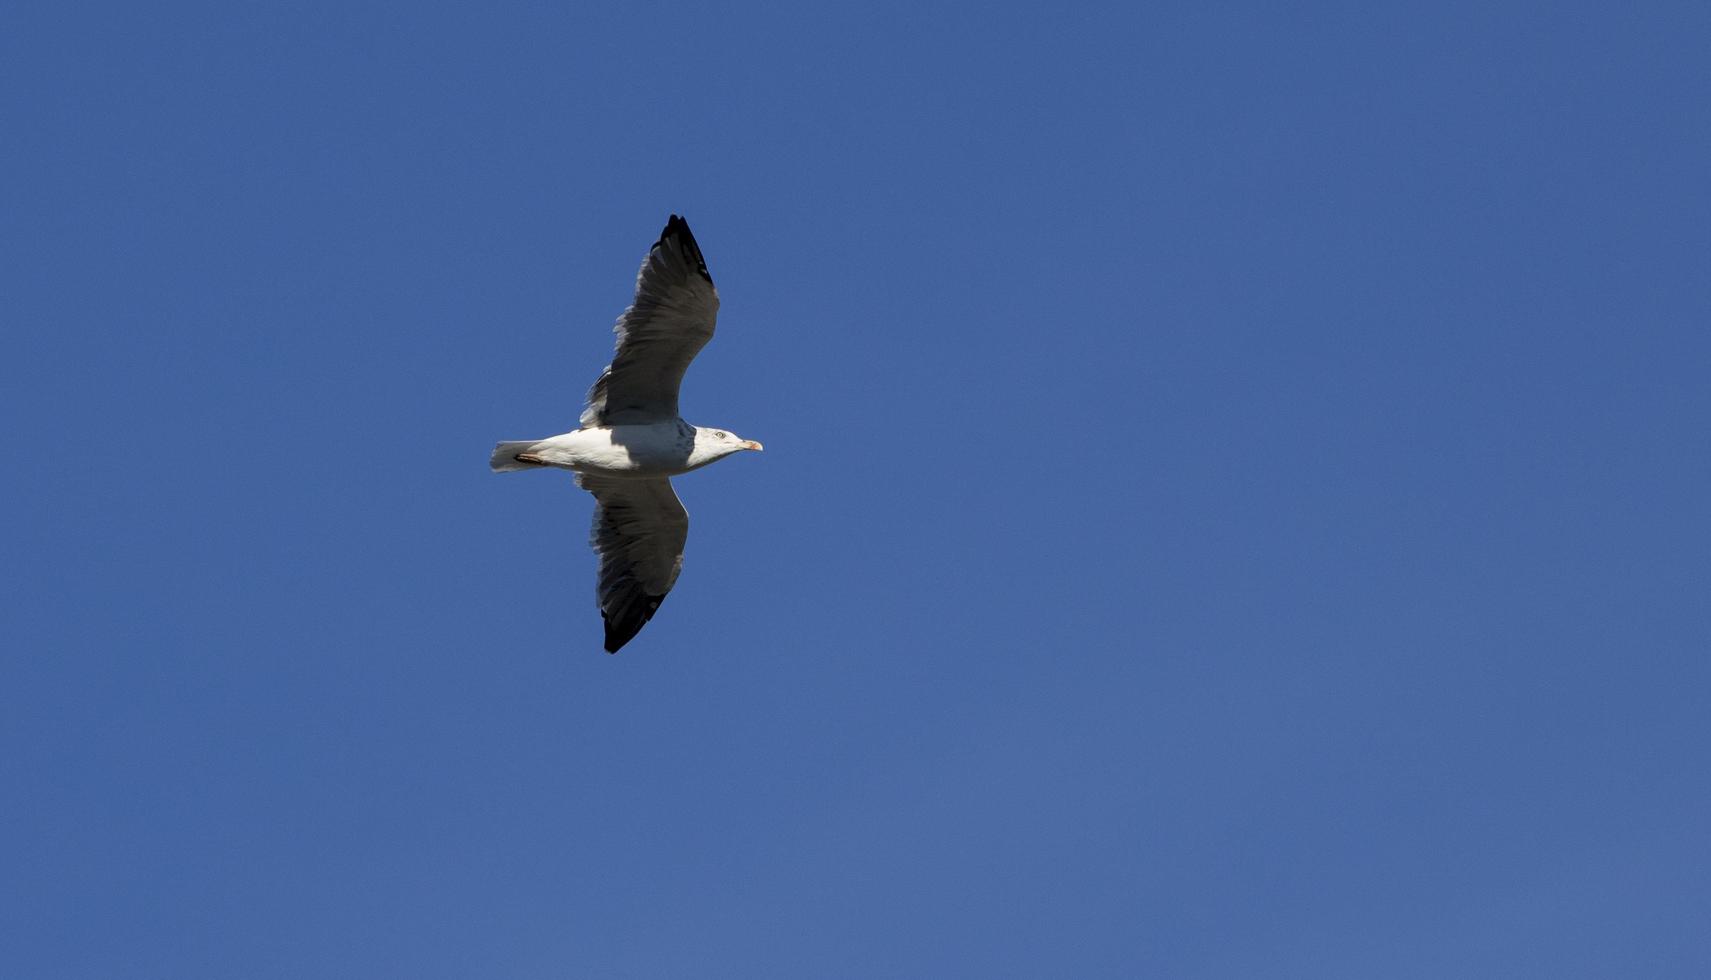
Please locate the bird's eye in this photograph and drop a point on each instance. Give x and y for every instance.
(724, 435)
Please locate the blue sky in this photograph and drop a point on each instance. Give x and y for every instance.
(1235, 500)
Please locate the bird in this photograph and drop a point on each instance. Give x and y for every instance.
(631, 440)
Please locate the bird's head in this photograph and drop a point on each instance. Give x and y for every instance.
(712, 444)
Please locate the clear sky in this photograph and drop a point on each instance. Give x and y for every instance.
(1236, 499)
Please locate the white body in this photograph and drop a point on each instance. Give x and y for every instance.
(625, 451)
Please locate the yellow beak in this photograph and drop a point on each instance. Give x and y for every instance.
(751, 444)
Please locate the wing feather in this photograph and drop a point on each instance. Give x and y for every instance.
(639, 530)
(668, 323)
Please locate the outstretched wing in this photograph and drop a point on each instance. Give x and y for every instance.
(662, 331)
(639, 530)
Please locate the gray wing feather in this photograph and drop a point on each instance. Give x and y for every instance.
(639, 530)
(669, 322)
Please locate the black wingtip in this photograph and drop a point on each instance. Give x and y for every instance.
(677, 229)
(623, 627)
(615, 642)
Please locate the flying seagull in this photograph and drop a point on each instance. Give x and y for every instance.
(632, 441)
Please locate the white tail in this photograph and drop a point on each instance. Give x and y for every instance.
(505, 457)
